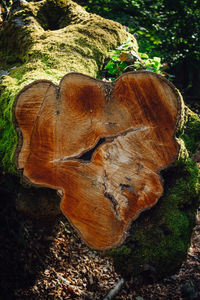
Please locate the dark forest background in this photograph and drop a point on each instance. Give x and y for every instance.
(165, 28)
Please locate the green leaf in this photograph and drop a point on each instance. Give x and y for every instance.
(158, 59)
(109, 65)
(143, 55)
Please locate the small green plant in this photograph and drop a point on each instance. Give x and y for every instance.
(124, 59)
(150, 64)
(116, 65)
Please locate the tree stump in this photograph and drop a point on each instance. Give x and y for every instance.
(101, 145)
(50, 38)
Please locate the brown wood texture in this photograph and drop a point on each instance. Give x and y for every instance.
(102, 145)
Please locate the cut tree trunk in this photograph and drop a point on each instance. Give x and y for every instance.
(48, 39)
(102, 145)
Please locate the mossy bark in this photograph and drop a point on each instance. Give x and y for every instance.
(160, 238)
(46, 40)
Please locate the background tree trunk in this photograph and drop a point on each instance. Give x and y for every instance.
(48, 39)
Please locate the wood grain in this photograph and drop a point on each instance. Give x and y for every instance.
(103, 144)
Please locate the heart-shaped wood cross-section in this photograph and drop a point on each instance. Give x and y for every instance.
(102, 145)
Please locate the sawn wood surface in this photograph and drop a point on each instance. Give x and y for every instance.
(102, 145)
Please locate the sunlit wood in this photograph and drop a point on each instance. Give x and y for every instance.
(102, 145)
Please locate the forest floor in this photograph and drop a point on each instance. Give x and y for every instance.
(48, 261)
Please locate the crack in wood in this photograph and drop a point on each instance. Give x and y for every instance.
(109, 196)
(108, 88)
(126, 187)
(113, 201)
(86, 156)
(127, 178)
(111, 124)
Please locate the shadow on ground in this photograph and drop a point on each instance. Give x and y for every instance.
(21, 256)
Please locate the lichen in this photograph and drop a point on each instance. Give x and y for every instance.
(79, 42)
(160, 238)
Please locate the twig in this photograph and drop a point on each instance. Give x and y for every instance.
(65, 281)
(73, 289)
(194, 256)
(114, 291)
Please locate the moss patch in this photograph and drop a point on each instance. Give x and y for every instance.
(160, 238)
(78, 41)
(191, 133)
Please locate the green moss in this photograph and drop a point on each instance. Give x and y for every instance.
(160, 238)
(8, 136)
(79, 42)
(191, 132)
